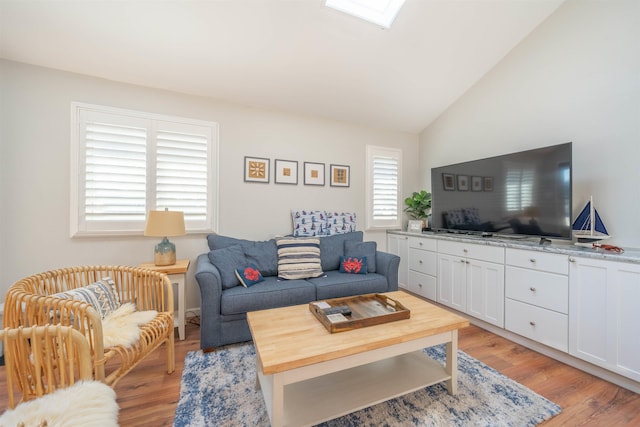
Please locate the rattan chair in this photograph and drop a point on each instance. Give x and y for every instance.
(51, 367)
(29, 302)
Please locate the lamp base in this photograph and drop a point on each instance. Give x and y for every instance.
(165, 253)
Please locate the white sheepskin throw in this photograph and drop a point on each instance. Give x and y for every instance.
(86, 403)
(121, 326)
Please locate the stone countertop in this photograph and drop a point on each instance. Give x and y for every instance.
(630, 255)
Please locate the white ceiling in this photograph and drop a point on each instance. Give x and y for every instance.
(290, 55)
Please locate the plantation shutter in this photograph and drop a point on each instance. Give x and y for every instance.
(384, 187)
(126, 163)
(182, 171)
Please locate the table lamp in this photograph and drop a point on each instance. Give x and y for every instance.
(165, 224)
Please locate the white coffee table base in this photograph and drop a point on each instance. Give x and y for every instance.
(312, 394)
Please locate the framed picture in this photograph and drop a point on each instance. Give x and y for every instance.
(488, 183)
(448, 181)
(313, 173)
(339, 175)
(286, 172)
(256, 169)
(476, 183)
(414, 226)
(463, 182)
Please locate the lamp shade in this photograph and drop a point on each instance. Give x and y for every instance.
(165, 223)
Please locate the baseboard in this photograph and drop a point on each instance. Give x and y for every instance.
(558, 355)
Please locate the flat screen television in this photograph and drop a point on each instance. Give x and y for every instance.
(519, 194)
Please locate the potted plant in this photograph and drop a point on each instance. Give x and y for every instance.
(417, 206)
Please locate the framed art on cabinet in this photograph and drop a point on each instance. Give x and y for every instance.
(476, 183)
(339, 175)
(448, 181)
(463, 183)
(286, 172)
(256, 169)
(488, 183)
(313, 173)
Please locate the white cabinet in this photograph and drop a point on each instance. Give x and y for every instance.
(470, 278)
(398, 244)
(603, 314)
(422, 266)
(537, 296)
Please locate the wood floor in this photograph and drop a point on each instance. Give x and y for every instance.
(148, 396)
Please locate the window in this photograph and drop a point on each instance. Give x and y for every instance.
(519, 187)
(125, 163)
(383, 187)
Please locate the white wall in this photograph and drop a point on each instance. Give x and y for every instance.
(34, 175)
(575, 78)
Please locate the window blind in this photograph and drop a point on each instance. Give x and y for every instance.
(125, 163)
(384, 187)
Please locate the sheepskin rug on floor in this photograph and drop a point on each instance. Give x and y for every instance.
(86, 403)
(219, 388)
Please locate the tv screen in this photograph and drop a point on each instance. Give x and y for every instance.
(521, 194)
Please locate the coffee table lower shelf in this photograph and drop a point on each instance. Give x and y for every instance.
(321, 398)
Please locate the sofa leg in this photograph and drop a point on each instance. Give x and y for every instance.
(209, 350)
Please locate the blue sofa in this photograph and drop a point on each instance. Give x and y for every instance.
(224, 302)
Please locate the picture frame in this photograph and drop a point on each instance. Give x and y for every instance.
(285, 172)
(313, 173)
(339, 175)
(414, 226)
(476, 183)
(256, 169)
(488, 183)
(448, 181)
(463, 182)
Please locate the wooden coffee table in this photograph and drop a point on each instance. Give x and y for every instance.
(308, 375)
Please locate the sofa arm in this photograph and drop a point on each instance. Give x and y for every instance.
(388, 264)
(210, 283)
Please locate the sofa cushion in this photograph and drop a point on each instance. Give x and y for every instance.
(261, 253)
(340, 222)
(308, 223)
(353, 265)
(332, 248)
(362, 249)
(299, 258)
(249, 275)
(269, 293)
(227, 260)
(337, 285)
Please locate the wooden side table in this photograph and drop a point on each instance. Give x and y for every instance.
(177, 274)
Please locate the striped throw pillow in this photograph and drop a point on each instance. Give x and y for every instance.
(299, 258)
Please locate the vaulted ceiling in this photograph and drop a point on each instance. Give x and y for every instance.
(290, 55)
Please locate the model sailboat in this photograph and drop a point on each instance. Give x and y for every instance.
(588, 227)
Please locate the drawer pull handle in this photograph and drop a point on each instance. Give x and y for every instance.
(532, 323)
(420, 243)
(532, 289)
(532, 259)
(465, 251)
(462, 260)
(468, 262)
(419, 285)
(572, 259)
(420, 261)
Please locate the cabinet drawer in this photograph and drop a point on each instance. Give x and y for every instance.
(545, 290)
(422, 284)
(469, 250)
(545, 326)
(423, 261)
(422, 243)
(552, 263)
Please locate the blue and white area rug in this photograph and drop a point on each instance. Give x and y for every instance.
(219, 389)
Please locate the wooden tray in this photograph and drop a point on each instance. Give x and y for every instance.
(366, 310)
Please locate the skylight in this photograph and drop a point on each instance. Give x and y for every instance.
(381, 12)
